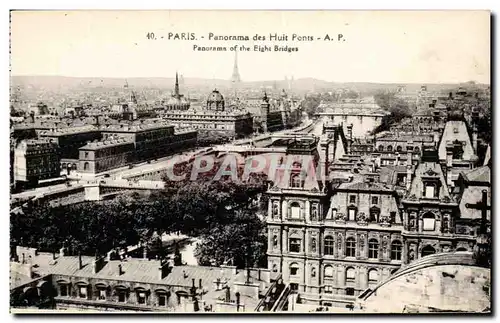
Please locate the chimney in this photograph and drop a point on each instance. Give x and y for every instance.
(237, 301)
(409, 172)
(194, 283)
(474, 138)
(23, 260)
(80, 263)
(450, 96)
(53, 255)
(120, 271)
(199, 285)
(145, 253)
(397, 159)
(449, 163)
(228, 294)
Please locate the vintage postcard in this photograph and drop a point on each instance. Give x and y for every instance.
(250, 162)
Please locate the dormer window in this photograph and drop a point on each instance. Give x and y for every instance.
(352, 199)
(296, 181)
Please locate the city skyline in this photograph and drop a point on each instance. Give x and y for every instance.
(439, 49)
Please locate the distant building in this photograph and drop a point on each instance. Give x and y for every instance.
(214, 118)
(70, 139)
(134, 142)
(364, 115)
(35, 160)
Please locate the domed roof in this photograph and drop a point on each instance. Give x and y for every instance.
(215, 96)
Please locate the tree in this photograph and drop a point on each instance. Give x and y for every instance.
(397, 107)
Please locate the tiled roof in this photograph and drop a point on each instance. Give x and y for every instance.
(137, 270)
(364, 186)
(480, 174)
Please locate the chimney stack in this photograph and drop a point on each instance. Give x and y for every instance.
(237, 301)
(199, 285)
(120, 271)
(409, 172)
(474, 138)
(62, 252)
(228, 294)
(145, 253)
(80, 263)
(396, 163)
(449, 163)
(450, 96)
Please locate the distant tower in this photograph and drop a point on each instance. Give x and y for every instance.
(177, 94)
(235, 78)
(264, 108)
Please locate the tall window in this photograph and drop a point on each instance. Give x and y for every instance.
(329, 245)
(380, 148)
(162, 299)
(86, 166)
(352, 199)
(399, 148)
(328, 271)
(294, 269)
(389, 148)
(396, 248)
(351, 214)
(374, 199)
(295, 245)
(296, 181)
(313, 245)
(429, 222)
(374, 214)
(430, 190)
(82, 292)
(295, 210)
(275, 241)
(373, 248)
(350, 247)
(141, 297)
(372, 276)
(393, 217)
(349, 291)
(63, 290)
(122, 296)
(102, 294)
(350, 274)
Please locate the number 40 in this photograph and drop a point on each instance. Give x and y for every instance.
(150, 35)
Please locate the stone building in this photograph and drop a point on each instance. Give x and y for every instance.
(431, 213)
(139, 141)
(35, 160)
(71, 139)
(100, 283)
(214, 118)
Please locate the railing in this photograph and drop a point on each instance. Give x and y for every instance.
(282, 300)
(276, 289)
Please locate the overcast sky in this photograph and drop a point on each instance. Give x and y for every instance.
(390, 46)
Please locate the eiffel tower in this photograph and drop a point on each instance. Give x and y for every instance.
(235, 78)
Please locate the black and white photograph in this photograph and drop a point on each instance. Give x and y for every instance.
(250, 162)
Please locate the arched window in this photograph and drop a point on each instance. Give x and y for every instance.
(399, 148)
(63, 166)
(350, 274)
(313, 245)
(295, 210)
(329, 245)
(396, 248)
(296, 181)
(429, 221)
(275, 268)
(372, 276)
(417, 150)
(373, 248)
(428, 250)
(294, 269)
(86, 166)
(328, 271)
(389, 148)
(380, 148)
(275, 241)
(350, 247)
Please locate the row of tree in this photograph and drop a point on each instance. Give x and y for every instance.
(223, 214)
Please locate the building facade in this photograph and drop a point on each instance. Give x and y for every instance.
(35, 160)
